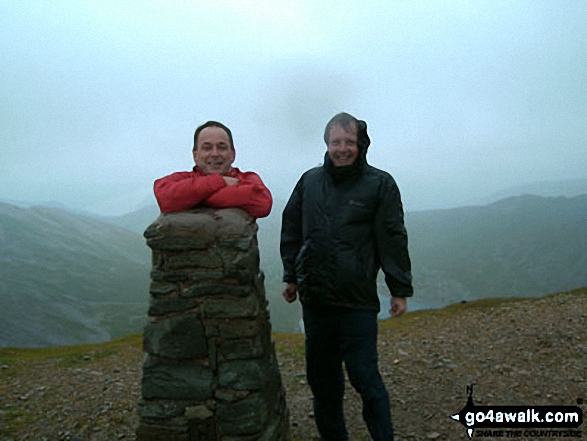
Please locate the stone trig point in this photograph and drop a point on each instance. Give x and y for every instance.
(209, 370)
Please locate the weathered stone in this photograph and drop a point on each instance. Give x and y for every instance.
(204, 431)
(236, 242)
(191, 225)
(213, 354)
(241, 276)
(227, 307)
(158, 289)
(244, 348)
(259, 283)
(163, 409)
(152, 231)
(205, 225)
(201, 274)
(177, 244)
(184, 275)
(200, 412)
(276, 431)
(245, 417)
(231, 328)
(166, 276)
(230, 394)
(248, 259)
(182, 381)
(210, 372)
(210, 289)
(234, 223)
(178, 338)
(193, 259)
(157, 259)
(164, 305)
(242, 374)
(177, 424)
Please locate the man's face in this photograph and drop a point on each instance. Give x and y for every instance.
(213, 154)
(342, 145)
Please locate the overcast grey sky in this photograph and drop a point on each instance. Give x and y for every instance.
(462, 98)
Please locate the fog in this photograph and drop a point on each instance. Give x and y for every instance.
(462, 98)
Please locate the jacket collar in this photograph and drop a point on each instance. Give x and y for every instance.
(345, 172)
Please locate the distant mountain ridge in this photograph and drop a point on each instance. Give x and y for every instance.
(567, 187)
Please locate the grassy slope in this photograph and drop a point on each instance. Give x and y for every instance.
(68, 354)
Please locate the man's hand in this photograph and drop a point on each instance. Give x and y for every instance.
(399, 305)
(230, 181)
(290, 293)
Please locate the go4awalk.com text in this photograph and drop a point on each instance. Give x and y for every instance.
(520, 421)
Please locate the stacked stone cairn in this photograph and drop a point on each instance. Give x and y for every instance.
(209, 370)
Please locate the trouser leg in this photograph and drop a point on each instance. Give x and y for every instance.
(359, 351)
(324, 373)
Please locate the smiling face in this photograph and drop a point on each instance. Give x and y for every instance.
(342, 145)
(213, 153)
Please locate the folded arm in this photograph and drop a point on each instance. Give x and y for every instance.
(184, 190)
(250, 194)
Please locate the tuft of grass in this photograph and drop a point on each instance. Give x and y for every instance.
(15, 420)
(289, 344)
(69, 354)
(81, 358)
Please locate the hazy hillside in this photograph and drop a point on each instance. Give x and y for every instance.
(519, 246)
(136, 221)
(67, 278)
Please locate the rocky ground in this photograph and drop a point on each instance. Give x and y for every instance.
(525, 352)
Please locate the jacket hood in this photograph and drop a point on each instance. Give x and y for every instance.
(363, 141)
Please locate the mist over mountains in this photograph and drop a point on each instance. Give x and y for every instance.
(524, 246)
(69, 278)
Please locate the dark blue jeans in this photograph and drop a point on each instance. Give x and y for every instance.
(335, 335)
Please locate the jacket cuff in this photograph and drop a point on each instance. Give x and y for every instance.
(402, 294)
(290, 279)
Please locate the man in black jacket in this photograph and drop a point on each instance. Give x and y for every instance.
(342, 223)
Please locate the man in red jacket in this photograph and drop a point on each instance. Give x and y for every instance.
(213, 182)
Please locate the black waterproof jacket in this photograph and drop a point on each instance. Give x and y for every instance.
(339, 227)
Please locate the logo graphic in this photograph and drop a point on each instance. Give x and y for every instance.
(519, 417)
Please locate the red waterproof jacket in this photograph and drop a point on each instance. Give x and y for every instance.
(184, 190)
